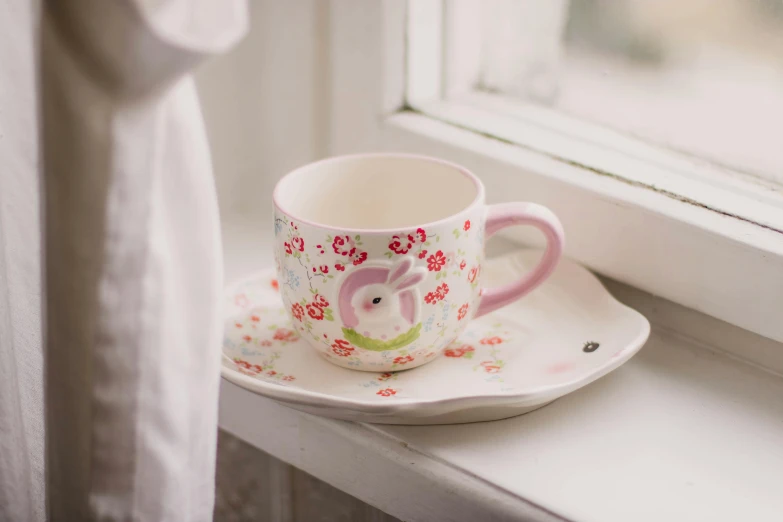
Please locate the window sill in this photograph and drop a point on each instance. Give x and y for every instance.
(682, 431)
(717, 264)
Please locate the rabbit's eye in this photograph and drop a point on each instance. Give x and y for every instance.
(376, 300)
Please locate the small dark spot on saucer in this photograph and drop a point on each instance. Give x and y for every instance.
(590, 347)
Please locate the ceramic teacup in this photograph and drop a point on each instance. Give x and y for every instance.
(379, 256)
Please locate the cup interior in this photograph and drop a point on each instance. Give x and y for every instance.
(377, 192)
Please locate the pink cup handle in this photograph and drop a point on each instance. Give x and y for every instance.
(505, 215)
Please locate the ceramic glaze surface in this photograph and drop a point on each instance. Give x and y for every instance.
(397, 309)
(564, 335)
(367, 287)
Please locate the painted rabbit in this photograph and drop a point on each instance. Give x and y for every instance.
(379, 306)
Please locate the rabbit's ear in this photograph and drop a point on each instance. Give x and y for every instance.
(398, 270)
(410, 279)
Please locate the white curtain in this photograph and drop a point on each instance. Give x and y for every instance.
(131, 260)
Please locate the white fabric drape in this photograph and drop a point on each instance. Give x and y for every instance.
(132, 263)
(21, 358)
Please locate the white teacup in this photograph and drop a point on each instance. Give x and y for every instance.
(379, 256)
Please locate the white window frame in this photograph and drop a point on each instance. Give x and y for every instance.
(713, 247)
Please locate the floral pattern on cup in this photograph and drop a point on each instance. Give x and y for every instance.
(361, 312)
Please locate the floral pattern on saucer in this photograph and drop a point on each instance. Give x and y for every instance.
(564, 335)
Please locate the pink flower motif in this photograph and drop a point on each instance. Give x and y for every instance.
(405, 359)
(492, 341)
(458, 352)
(315, 312)
(463, 311)
(271, 373)
(342, 348)
(289, 378)
(266, 342)
(560, 367)
(297, 311)
(401, 244)
(466, 227)
(242, 364)
(247, 338)
(298, 243)
(472, 273)
(284, 334)
(241, 300)
(359, 258)
(490, 367)
(386, 392)
(344, 246)
(436, 261)
(431, 298)
(238, 325)
(462, 265)
(255, 318)
(275, 285)
(442, 290)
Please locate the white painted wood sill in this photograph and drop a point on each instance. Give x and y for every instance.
(690, 429)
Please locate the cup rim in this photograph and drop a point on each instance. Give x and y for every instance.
(479, 199)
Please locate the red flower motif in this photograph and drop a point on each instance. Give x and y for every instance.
(297, 311)
(422, 254)
(458, 352)
(463, 311)
(401, 244)
(241, 300)
(431, 298)
(238, 325)
(442, 290)
(266, 342)
(324, 269)
(421, 235)
(386, 392)
(247, 338)
(275, 284)
(385, 376)
(289, 378)
(315, 312)
(342, 348)
(343, 245)
(320, 301)
(472, 273)
(271, 373)
(405, 359)
(436, 261)
(255, 318)
(288, 248)
(339, 267)
(489, 367)
(247, 368)
(298, 243)
(283, 334)
(359, 258)
(466, 227)
(492, 341)
(462, 265)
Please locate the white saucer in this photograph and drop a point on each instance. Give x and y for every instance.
(566, 334)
